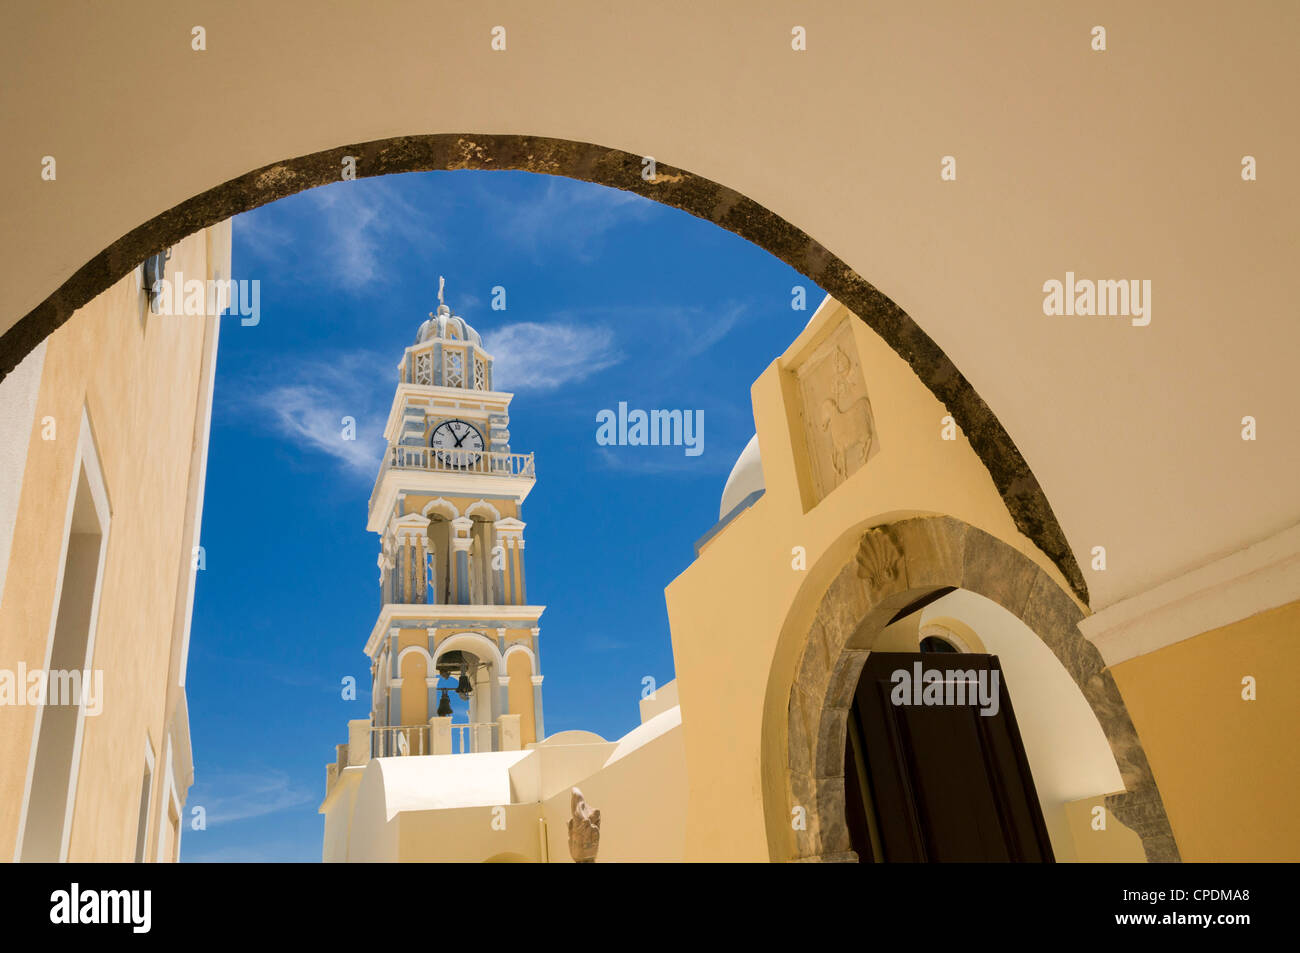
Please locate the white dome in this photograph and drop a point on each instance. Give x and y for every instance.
(746, 478)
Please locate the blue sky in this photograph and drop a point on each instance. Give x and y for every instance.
(610, 297)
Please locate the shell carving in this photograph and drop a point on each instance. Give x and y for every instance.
(878, 558)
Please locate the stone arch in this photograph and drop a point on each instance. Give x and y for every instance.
(894, 565)
(671, 186)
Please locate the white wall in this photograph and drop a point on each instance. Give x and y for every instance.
(18, 394)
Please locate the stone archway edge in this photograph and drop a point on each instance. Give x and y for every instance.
(891, 564)
(705, 199)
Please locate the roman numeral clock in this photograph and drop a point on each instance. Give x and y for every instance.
(458, 444)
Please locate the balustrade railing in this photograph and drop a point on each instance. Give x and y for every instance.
(488, 462)
(401, 740)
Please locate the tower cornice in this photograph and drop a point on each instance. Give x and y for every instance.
(399, 615)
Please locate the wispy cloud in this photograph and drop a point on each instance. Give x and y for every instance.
(574, 216)
(309, 408)
(355, 223)
(603, 643)
(239, 796)
(542, 357)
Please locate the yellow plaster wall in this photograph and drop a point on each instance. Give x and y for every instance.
(521, 696)
(642, 802)
(1113, 843)
(415, 696)
(139, 382)
(1227, 768)
(740, 612)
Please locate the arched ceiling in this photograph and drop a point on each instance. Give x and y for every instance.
(1119, 165)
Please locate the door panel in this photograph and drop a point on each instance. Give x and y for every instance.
(942, 782)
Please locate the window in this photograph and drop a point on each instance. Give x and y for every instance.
(56, 748)
(480, 373)
(424, 368)
(933, 643)
(453, 369)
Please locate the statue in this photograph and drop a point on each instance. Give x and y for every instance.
(441, 282)
(584, 830)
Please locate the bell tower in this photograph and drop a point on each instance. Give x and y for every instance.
(455, 650)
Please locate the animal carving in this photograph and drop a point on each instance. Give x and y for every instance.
(846, 420)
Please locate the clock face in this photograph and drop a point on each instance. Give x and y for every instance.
(457, 443)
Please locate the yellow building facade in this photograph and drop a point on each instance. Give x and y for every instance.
(105, 430)
(857, 526)
(1140, 723)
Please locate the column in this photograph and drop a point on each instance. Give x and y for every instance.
(462, 547)
(462, 543)
(430, 575)
(519, 556)
(422, 572)
(394, 680)
(539, 727)
(503, 676)
(498, 572)
(509, 573)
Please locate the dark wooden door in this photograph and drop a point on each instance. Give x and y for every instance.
(938, 782)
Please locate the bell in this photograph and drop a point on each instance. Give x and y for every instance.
(463, 687)
(444, 705)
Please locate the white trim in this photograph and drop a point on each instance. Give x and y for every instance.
(87, 458)
(418, 650)
(169, 799)
(394, 614)
(440, 504)
(1262, 576)
(393, 483)
(522, 647)
(483, 505)
(151, 762)
(476, 642)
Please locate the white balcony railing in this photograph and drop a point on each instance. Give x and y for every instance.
(488, 462)
(401, 740)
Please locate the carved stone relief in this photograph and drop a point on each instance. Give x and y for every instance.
(839, 430)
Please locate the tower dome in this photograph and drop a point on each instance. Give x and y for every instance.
(745, 480)
(444, 325)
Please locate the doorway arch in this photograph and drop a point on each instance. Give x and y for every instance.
(677, 188)
(893, 566)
